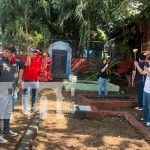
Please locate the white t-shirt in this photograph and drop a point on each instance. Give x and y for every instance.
(147, 83)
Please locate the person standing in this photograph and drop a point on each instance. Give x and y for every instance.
(103, 77)
(11, 73)
(31, 79)
(146, 93)
(138, 81)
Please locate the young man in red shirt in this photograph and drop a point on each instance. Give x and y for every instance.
(31, 79)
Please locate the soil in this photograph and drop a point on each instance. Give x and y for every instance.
(69, 133)
(19, 124)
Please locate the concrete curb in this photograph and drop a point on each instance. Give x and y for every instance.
(93, 94)
(30, 133)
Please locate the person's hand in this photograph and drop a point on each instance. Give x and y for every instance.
(29, 48)
(133, 85)
(135, 63)
(20, 83)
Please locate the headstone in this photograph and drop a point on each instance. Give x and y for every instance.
(59, 66)
(60, 53)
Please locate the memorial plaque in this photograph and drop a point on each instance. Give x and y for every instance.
(59, 63)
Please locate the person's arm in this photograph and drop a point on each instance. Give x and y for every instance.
(20, 74)
(103, 70)
(20, 77)
(142, 72)
(28, 61)
(133, 78)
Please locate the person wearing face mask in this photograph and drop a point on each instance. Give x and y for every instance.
(103, 77)
(11, 73)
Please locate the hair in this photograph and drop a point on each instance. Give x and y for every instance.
(10, 48)
(141, 56)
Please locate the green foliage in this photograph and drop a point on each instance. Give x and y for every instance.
(92, 71)
(67, 19)
(102, 35)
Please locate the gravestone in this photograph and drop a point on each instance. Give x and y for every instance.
(60, 53)
(59, 67)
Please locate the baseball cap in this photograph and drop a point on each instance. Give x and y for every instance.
(33, 49)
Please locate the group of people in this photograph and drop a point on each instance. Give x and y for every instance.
(141, 81)
(16, 74)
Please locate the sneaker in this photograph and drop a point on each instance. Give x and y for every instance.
(25, 112)
(138, 108)
(2, 140)
(33, 110)
(11, 133)
(148, 125)
(141, 120)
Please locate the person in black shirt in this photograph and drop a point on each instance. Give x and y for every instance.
(138, 80)
(11, 73)
(103, 77)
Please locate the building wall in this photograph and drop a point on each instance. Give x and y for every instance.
(146, 39)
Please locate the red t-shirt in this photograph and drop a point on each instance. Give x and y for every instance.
(32, 72)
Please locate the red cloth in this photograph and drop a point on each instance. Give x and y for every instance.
(45, 73)
(32, 72)
(13, 59)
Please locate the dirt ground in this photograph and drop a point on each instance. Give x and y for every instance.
(67, 133)
(19, 124)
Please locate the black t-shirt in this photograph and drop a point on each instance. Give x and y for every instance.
(100, 73)
(139, 76)
(9, 71)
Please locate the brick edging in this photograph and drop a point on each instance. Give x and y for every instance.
(95, 113)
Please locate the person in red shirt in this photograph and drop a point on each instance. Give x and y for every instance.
(31, 79)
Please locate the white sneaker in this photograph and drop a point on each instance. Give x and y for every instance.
(138, 108)
(2, 140)
(11, 133)
(25, 112)
(148, 125)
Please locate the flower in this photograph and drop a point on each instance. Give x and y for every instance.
(135, 50)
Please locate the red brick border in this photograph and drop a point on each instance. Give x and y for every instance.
(109, 104)
(95, 113)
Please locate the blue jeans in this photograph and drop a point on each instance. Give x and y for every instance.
(146, 106)
(102, 82)
(6, 125)
(33, 86)
(139, 85)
